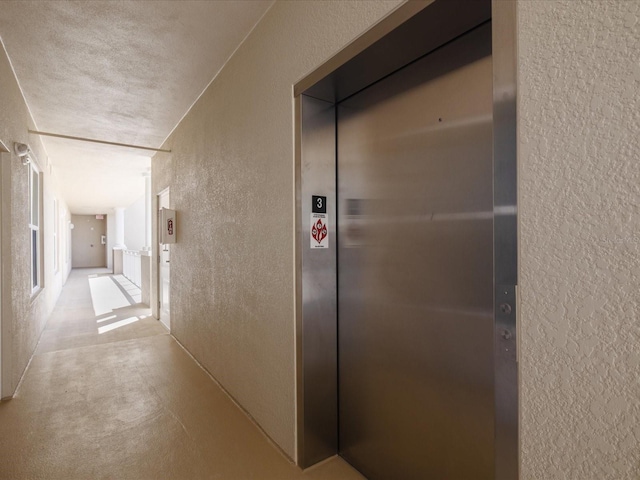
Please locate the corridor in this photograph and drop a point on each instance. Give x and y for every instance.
(109, 394)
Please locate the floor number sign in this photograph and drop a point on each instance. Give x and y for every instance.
(319, 225)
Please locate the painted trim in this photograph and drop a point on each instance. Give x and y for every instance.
(94, 140)
(5, 275)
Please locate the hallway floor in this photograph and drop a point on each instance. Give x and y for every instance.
(109, 394)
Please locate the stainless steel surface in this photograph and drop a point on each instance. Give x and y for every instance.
(415, 284)
(394, 28)
(297, 121)
(506, 351)
(317, 345)
(505, 237)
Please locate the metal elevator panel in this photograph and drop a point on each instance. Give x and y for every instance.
(415, 269)
(318, 413)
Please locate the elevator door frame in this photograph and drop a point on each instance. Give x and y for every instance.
(406, 34)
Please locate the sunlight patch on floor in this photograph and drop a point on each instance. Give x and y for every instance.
(105, 319)
(106, 296)
(118, 324)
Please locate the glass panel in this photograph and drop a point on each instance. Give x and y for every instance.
(35, 191)
(34, 258)
(56, 219)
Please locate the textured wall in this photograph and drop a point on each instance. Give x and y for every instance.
(23, 317)
(231, 179)
(579, 127)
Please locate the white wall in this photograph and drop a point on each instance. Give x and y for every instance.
(65, 238)
(579, 160)
(134, 225)
(111, 238)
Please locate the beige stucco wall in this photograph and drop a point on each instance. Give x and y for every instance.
(23, 316)
(579, 160)
(231, 180)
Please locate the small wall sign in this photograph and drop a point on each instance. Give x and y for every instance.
(318, 204)
(168, 222)
(319, 226)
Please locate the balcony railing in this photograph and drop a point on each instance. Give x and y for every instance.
(132, 266)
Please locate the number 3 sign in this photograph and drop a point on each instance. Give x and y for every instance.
(319, 225)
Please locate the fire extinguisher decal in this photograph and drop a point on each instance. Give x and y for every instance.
(168, 220)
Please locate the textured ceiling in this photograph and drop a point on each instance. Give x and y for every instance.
(121, 71)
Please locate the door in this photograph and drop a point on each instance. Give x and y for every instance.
(415, 269)
(163, 268)
(87, 249)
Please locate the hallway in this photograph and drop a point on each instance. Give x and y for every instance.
(109, 394)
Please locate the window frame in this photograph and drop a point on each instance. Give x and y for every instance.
(35, 227)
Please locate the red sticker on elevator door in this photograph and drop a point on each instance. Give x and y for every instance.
(319, 230)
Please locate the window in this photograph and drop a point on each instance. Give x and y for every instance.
(56, 240)
(64, 238)
(34, 226)
(67, 237)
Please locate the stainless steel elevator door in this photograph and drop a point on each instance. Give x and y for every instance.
(415, 269)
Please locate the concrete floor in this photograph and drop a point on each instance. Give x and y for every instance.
(110, 395)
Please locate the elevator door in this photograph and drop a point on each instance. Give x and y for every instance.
(415, 269)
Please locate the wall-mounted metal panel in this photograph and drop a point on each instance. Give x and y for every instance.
(505, 199)
(415, 269)
(317, 345)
